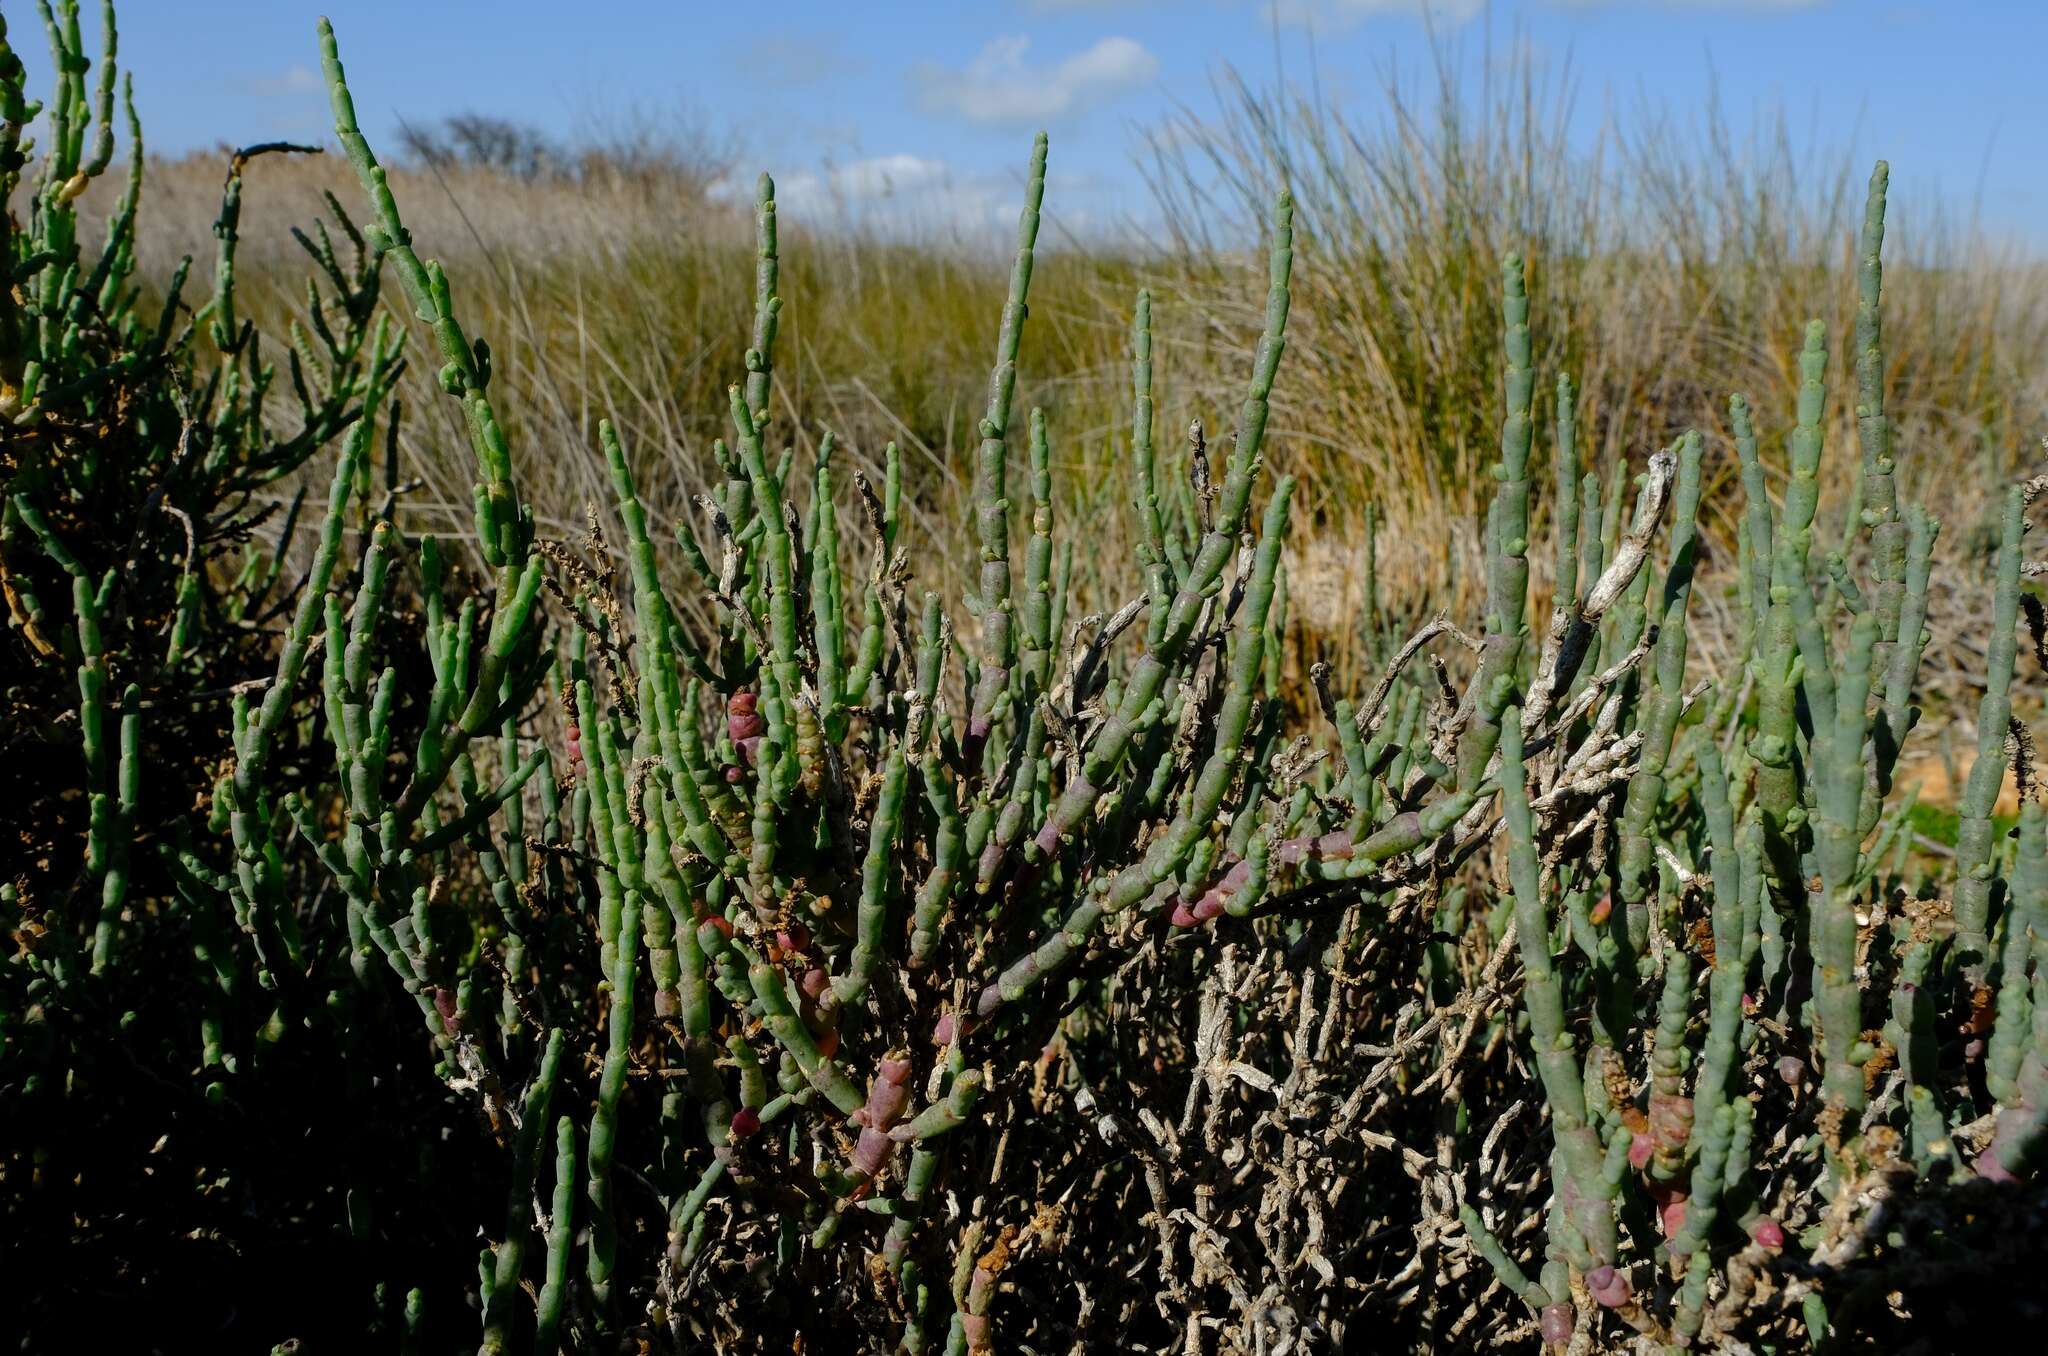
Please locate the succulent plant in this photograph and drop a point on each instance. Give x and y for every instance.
(832, 971)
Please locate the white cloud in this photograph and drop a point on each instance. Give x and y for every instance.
(999, 86)
(293, 81)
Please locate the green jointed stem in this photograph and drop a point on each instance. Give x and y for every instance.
(1669, 1057)
(991, 502)
(760, 358)
(1592, 547)
(113, 854)
(872, 916)
(1565, 531)
(254, 750)
(1771, 664)
(504, 525)
(1701, 1210)
(1902, 668)
(1152, 555)
(654, 619)
(526, 1142)
(1035, 609)
(1975, 834)
(1792, 570)
(258, 874)
(1035, 668)
(501, 525)
(950, 1112)
(2025, 930)
(827, 608)
(92, 725)
(1105, 754)
(1507, 544)
(1586, 1193)
(1510, 1272)
(1167, 855)
(1734, 933)
(1879, 492)
(788, 1028)
(1663, 700)
(1839, 773)
(777, 546)
(1170, 852)
(2021, 1139)
(604, 1231)
(561, 1232)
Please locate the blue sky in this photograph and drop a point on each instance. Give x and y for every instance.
(929, 107)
